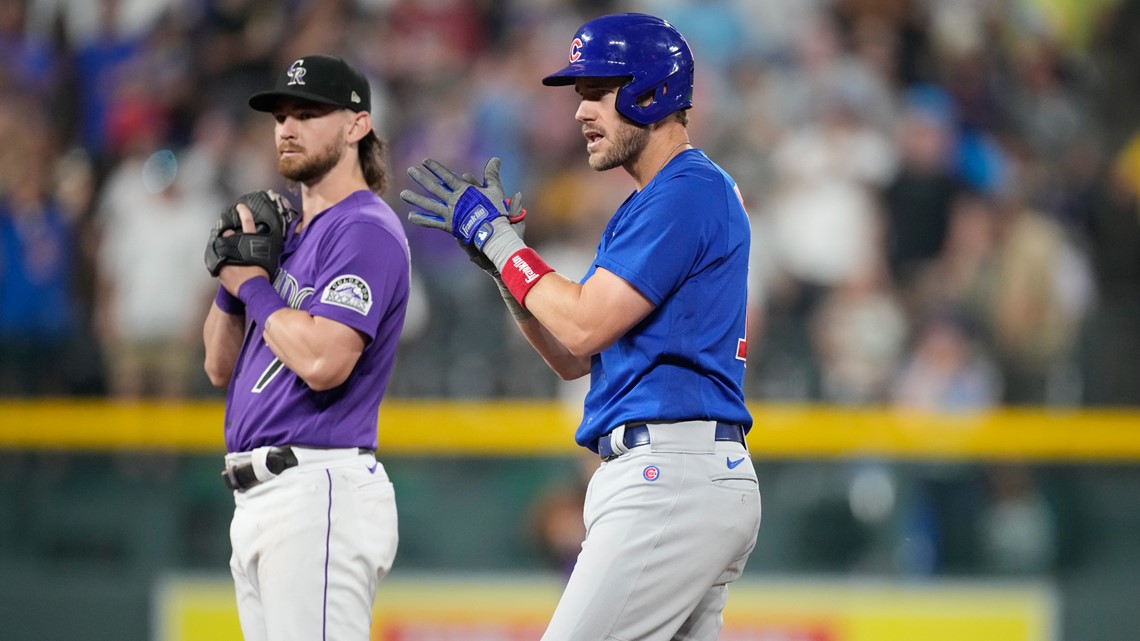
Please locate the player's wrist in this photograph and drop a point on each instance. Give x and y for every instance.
(522, 271)
(260, 299)
(229, 303)
(519, 266)
(502, 243)
(518, 312)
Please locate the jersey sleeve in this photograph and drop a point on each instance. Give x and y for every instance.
(363, 269)
(655, 246)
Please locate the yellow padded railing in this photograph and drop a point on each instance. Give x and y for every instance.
(525, 428)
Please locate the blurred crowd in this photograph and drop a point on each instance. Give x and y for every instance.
(943, 193)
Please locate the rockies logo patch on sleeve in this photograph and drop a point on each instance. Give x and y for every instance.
(350, 292)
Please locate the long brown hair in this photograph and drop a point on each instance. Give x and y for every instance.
(373, 154)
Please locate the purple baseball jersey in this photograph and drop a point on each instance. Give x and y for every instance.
(350, 265)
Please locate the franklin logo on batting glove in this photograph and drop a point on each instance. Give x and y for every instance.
(475, 217)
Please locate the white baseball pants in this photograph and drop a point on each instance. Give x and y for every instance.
(668, 526)
(310, 547)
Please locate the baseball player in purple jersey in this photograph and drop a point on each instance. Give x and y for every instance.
(306, 353)
(658, 323)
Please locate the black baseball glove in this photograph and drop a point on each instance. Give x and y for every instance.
(271, 214)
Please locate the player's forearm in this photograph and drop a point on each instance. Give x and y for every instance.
(222, 336)
(587, 318)
(566, 365)
(322, 353)
(555, 302)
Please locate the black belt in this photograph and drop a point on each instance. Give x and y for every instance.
(638, 435)
(242, 477)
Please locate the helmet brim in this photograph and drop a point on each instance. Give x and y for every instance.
(571, 72)
(560, 79)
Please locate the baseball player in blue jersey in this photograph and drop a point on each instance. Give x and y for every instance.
(306, 343)
(658, 322)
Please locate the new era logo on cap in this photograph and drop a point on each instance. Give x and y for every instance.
(325, 79)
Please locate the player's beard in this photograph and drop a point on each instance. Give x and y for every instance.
(627, 142)
(306, 169)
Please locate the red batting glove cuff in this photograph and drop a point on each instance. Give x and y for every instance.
(522, 272)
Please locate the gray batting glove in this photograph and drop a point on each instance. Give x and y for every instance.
(517, 217)
(463, 209)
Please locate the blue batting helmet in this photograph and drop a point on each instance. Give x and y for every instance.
(647, 50)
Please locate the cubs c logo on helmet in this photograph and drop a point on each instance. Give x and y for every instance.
(576, 50)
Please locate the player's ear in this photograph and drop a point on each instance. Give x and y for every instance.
(361, 125)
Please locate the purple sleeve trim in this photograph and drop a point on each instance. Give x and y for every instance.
(260, 299)
(229, 303)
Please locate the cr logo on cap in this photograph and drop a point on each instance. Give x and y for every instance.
(296, 73)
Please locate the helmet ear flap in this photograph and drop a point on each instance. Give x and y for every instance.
(659, 93)
(646, 100)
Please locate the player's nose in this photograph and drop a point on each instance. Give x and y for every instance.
(587, 112)
(286, 128)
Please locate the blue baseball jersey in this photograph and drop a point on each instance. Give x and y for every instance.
(683, 242)
(350, 265)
